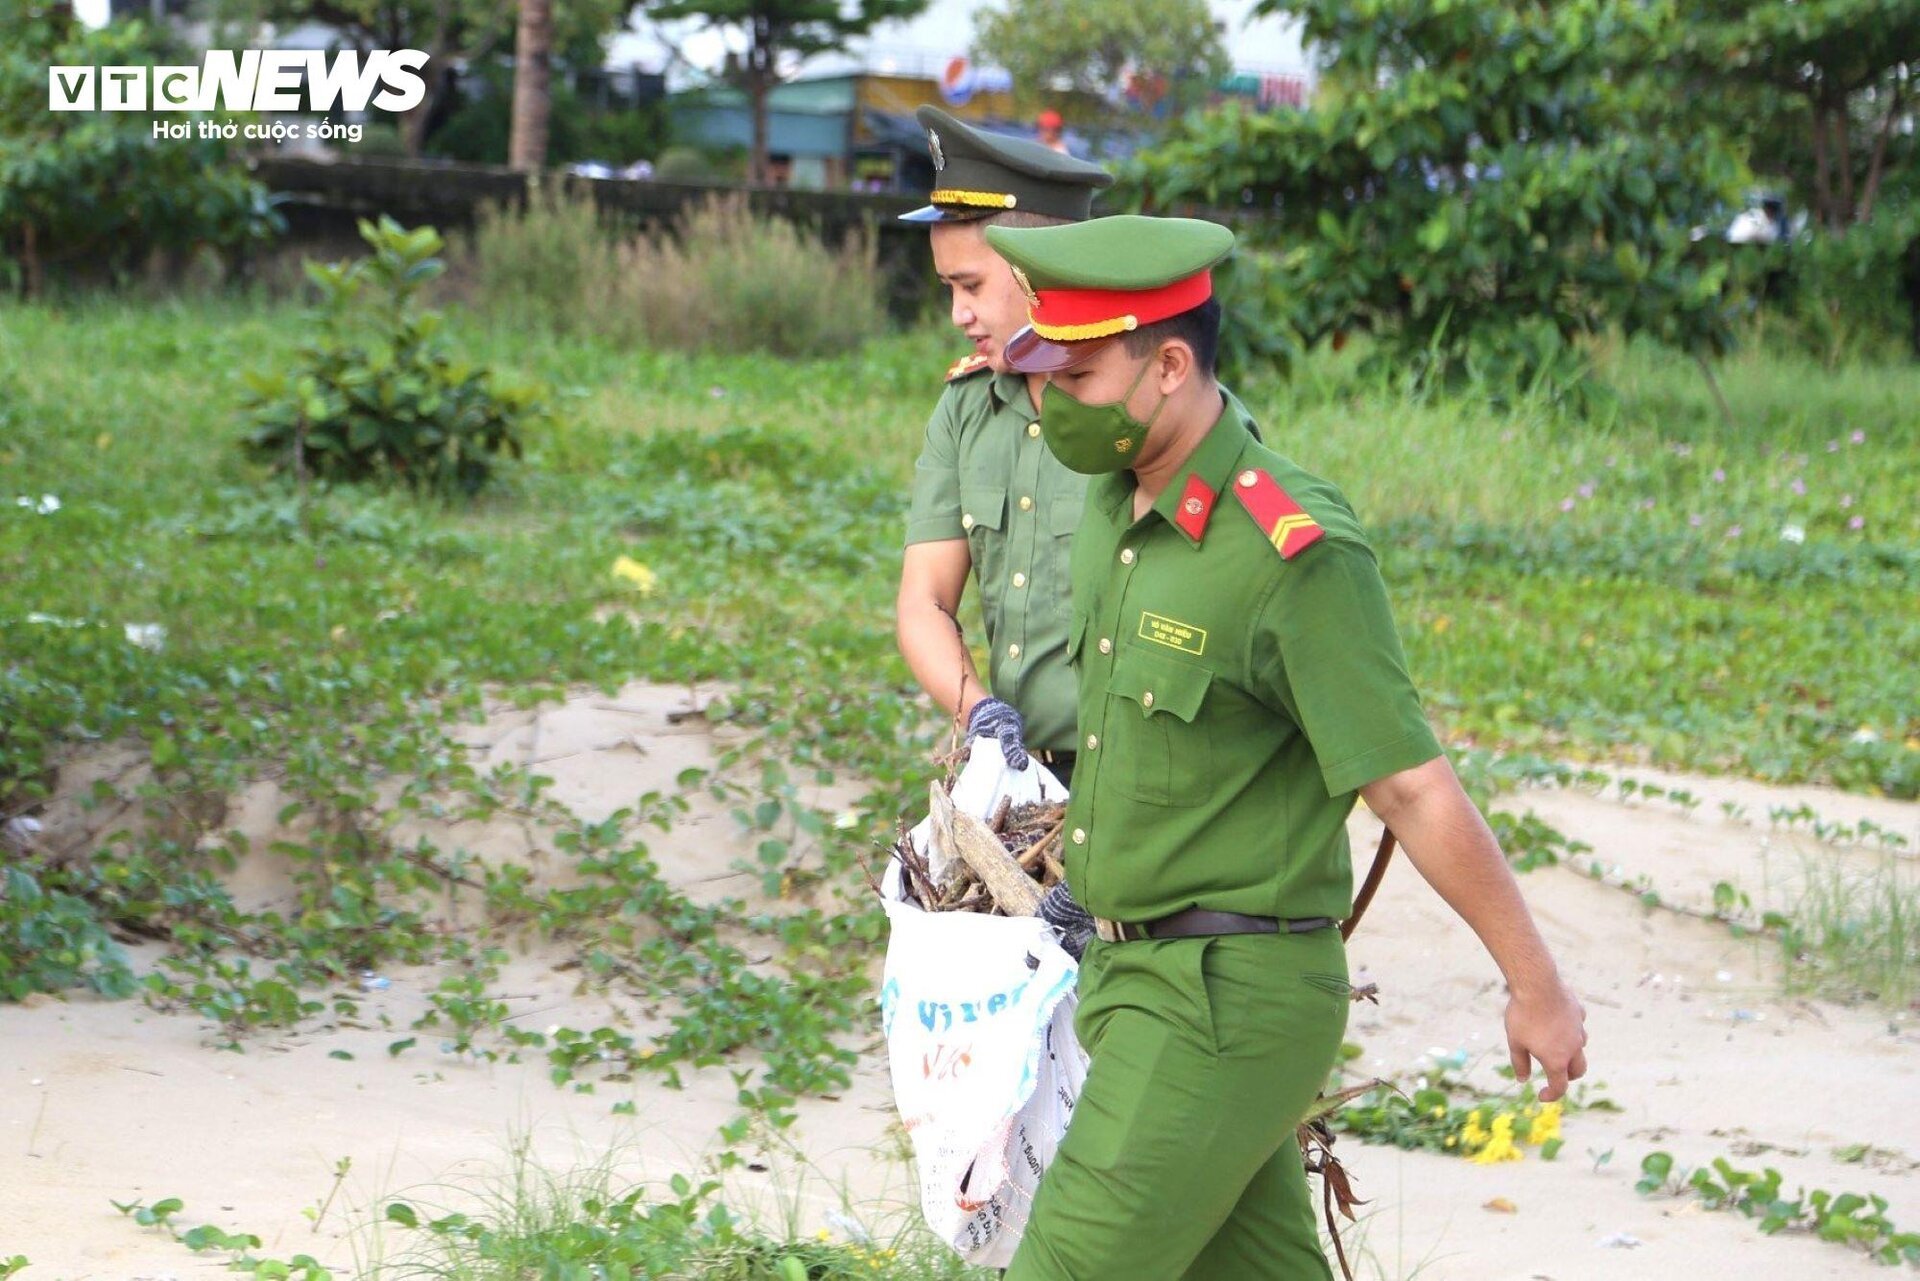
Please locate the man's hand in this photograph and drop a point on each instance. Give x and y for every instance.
(1551, 1029)
(994, 719)
(1072, 922)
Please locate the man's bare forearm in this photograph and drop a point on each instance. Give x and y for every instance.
(1449, 842)
(931, 643)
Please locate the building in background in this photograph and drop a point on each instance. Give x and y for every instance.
(855, 129)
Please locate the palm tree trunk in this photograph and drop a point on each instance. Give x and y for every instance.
(532, 98)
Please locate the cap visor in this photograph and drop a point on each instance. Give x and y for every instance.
(934, 213)
(1029, 353)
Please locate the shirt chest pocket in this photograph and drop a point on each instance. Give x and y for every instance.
(1161, 750)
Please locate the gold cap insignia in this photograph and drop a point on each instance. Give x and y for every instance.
(1122, 446)
(933, 146)
(1026, 287)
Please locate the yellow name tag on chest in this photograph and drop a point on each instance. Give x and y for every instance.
(1184, 637)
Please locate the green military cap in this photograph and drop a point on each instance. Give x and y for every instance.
(978, 174)
(1088, 283)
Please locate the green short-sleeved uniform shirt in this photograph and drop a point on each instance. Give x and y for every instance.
(986, 476)
(1231, 700)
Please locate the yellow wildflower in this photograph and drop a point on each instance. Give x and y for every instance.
(1500, 1146)
(1471, 1134)
(1545, 1126)
(642, 578)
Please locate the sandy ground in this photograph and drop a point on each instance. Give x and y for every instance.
(102, 1100)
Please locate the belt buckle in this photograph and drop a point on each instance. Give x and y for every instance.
(1109, 931)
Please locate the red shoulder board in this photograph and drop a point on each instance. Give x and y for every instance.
(966, 365)
(1286, 525)
(1196, 506)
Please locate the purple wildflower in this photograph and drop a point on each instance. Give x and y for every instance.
(1858, 438)
(1857, 522)
(1799, 486)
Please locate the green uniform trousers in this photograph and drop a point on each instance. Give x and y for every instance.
(1180, 1162)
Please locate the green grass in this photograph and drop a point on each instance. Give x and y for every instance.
(1662, 618)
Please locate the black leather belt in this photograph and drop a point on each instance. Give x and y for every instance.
(1196, 922)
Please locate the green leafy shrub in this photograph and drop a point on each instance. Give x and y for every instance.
(93, 192)
(1844, 294)
(50, 940)
(723, 278)
(1481, 186)
(376, 394)
(684, 164)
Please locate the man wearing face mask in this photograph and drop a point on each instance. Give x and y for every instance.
(1239, 682)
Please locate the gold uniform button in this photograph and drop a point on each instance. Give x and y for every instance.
(1079, 836)
(1019, 580)
(1026, 504)
(1033, 429)
(1013, 651)
(1093, 742)
(1106, 646)
(1126, 557)
(1247, 479)
(1146, 699)
(966, 522)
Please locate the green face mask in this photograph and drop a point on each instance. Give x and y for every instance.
(1093, 439)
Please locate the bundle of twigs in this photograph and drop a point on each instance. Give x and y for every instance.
(1000, 867)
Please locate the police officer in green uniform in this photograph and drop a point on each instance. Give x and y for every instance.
(1239, 682)
(989, 500)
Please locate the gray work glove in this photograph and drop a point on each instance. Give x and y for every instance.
(994, 719)
(1072, 922)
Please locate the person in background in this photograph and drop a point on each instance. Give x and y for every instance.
(1052, 131)
(989, 501)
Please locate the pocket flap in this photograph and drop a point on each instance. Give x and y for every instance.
(1161, 686)
(983, 506)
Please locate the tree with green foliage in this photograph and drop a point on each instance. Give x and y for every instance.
(1479, 184)
(95, 191)
(779, 32)
(1091, 49)
(1827, 90)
